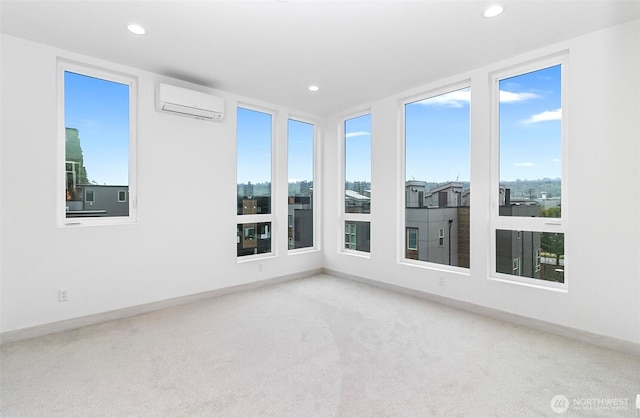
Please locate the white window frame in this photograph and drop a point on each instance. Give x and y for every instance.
(116, 77)
(517, 223)
(262, 217)
(343, 215)
(439, 90)
(316, 183)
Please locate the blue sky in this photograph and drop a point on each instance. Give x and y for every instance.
(357, 148)
(254, 146)
(437, 138)
(99, 109)
(300, 139)
(437, 134)
(530, 128)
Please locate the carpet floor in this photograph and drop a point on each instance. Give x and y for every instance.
(315, 347)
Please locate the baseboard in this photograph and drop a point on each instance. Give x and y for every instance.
(602, 341)
(73, 323)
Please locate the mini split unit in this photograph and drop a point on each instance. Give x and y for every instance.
(191, 103)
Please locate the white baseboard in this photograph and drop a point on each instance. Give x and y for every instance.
(603, 341)
(73, 323)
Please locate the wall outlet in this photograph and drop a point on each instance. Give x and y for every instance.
(260, 267)
(63, 294)
(441, 281)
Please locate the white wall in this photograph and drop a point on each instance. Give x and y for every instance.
(602, 237)
(172, 251)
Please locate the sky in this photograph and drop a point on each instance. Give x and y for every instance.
(254, 146)
(437, 134)
(99, 110)
(357, 148)
(530, 130)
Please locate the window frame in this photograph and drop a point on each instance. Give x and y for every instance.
(261, 217)
(345, 216)
(518, 223)
(437, 90)
(315, 180)
(114, 76)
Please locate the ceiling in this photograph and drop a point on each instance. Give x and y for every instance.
(272, 50)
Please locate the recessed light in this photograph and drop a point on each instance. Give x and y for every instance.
(314, 88)
(493, 11)
(137, 29)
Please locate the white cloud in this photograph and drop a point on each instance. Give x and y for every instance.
(353, 134)
(525, 164)
(456, 98)
(512, 97)
(545, 116)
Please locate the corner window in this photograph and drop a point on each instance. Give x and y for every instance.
(530, 187)
(254, 139)
(357, 181)
(300, 196)
(99, 143)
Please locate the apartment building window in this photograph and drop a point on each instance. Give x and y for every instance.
(437, 174)
(530, 180)
(300, 196)
(357, 236)
(357, 180)
(122, 196)
(97, 145)
(412, 239)
(254, 142)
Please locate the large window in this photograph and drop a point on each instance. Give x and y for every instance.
(254, 138)
(530, 192)
(357, 182)
(300, 196)
(437, 186)
(99, 145)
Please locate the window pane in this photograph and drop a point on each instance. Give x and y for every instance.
(537, 255)
(253, 238)
(530, 134)
(300, 184)
(357, 151)
(437, 186)
(357, 236)
(96, 118)
(254, 162)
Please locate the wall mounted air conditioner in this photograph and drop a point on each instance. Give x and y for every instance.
(185, 102)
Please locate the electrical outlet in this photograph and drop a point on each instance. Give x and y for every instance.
(63, 295)
(260, 267)
(441, 281)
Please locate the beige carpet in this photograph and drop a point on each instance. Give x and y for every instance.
(321, 347)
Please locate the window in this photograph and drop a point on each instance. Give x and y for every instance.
(357, 236)
(357, 180)
(97, 124)
(530, 184)
(122, 196)
(253, 238)
(411, 250)
(412, 239)
(350, 235)
(300, 196)
(254, 138)
(437, 175)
